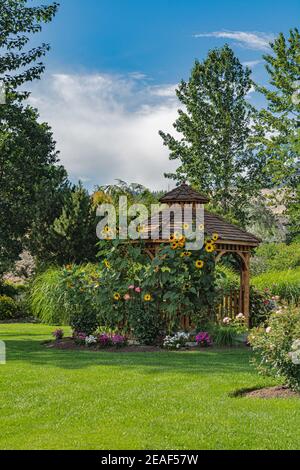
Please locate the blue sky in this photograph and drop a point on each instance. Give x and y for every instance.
(119, 61)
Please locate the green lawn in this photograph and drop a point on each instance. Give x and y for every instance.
(85, 400)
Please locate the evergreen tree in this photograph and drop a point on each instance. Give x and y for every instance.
(214, 127)
(73, 234)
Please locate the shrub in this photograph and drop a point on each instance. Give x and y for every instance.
(285, 284)
(230, 331)
(59, 294)
(275, 257)
(58, 334)
(228, 279)
(8, 308)
(261, 305)
(177, 341)
(203, 340)
(84, 322)
(277, 347)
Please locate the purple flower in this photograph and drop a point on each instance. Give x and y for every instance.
(203, 339)
(103, 339)
(118, 340)
(58, 334)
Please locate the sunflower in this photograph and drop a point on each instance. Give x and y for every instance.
(199, 264)
(117, 296)
(147, 298)
(209, 247)
(215, 237)
(186, 226)
(174, 246)
(107, 229)
(172, 238)
(107, 264)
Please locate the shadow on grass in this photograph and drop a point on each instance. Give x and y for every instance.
(208, 361)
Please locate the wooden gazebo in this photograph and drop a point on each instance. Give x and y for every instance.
(231, 239)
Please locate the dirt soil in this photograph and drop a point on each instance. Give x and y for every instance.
(272, 392)
(69, 344)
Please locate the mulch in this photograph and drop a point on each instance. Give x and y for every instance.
(270, 392)
(69, 344)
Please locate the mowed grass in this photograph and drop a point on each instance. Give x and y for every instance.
(170, 400)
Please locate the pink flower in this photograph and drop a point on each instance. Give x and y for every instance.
(131, 287)
(127, 297)
(138, 290)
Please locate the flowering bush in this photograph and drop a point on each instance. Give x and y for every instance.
(90, 340)
(203, 340)
(177, 341)
(277, 347)
(58, 334)
(79, 337)
(118, 340)
(104, 340)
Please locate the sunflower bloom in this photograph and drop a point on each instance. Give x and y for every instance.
(174, 246)
(209, 247)
(215, 237)
(117, 296)
(147, 298)
(172, 238)
(199, 264)
(186, 226)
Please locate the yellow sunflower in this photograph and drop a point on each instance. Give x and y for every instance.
(172, 238)
(117, 296)
(199, 264)
(147, 298)
(174, 246)
(107, 229)
(186, 226)
(209, 247)
(215, 237)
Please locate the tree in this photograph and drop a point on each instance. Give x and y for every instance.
(214, 128)
(277, 134)
(29, 170)
(72, 236)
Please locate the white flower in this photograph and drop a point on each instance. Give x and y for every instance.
(296, 345)
(90, 340)
(268, 330)
(226, 320)
(241, 316)
(295, 357)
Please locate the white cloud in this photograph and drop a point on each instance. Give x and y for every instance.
(252, 63)
(250, 40)
(106, 127)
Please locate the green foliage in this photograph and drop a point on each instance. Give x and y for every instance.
(72, 236)
(84, 322)
(18, 22)
(228, 278)
(274, 346)
(276, 130)
(61, 294)
(30, 175)
(12, 290)
(46, 297)
(275, 257)
(8, 308)
(285, 284)
(223, 335)
(261, 306)
(213, 148)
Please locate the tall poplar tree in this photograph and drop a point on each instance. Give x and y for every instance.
(212, 147)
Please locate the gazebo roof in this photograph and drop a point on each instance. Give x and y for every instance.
(226, 231)
(184, 193)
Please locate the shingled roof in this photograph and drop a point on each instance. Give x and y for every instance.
(212, 223)
(184, 193)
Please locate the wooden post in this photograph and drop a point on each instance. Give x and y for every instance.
(245, 285)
